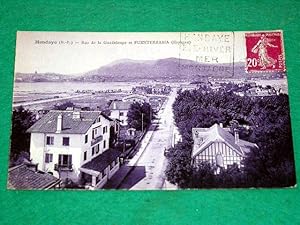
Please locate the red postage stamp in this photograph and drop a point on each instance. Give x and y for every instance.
(264, 52)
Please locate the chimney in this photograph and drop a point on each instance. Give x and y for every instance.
(236, 136)
(59, 123)
(221, 125)
(114, 105)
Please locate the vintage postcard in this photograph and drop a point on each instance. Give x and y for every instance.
(150, 111)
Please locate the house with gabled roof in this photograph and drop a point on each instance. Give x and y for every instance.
(63, 142)
(219, 147)
(118, 110)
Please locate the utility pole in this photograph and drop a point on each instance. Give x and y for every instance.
(142, 122)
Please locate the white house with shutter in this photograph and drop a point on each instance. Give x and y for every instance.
(219, 147)
(118, 110)
(75, 145)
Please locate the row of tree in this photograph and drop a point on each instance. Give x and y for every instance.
(268, 125)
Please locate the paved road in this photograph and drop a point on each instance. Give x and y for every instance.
(150, 165)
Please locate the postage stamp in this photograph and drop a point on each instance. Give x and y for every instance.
(264, 52)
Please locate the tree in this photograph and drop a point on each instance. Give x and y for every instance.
(22, 119)
(272, 164)
(139, 115)
(179, 168)
(203, 176)
(231, 177)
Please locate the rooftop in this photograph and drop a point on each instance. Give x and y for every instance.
(21, 177)
(102, 161)
(120, 105)
(70, 125)
(218, 134)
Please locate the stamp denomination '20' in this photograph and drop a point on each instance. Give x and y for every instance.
(264, 52)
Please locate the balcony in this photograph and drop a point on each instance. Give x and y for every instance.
(63, 167)
(96, 140)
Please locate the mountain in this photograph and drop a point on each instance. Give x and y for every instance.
(169, 69)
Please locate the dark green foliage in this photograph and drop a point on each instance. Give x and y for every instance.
(199, 108)
(273, 163)
(268, 121)
(139, 115)
(203, 176)
(179, 167)
(22, 119)
(206, 176)
(233, 177)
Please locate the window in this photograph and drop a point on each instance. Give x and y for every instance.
(93, 150)
(97, 148)
(104, 144)
(121, 113)
(104, 129)
(99, 119)
(65, 160)
(95, 132)
(66, 141)
(50, 140)
(84, 155)
(48, 158)
(86, 138)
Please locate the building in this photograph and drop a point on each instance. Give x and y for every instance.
(28, 177)
(64, 142)
(118, 110)
(261, 92)
(219, 147)
(158, 89)
(143, 90)
(161, 89)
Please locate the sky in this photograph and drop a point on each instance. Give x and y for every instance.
(79, 52)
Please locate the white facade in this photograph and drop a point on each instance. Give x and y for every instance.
(49, 151)
(120, 114)
(217, 146)
(219, 154)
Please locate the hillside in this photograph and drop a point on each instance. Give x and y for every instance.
(169, 69)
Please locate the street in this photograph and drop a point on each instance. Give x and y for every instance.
(150, 163)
